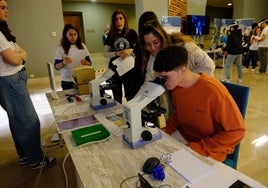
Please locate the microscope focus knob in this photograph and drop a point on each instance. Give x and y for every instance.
(146, 135)
(103, 102)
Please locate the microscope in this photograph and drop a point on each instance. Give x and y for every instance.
(136, 133)
(120, 66)
(99, 101)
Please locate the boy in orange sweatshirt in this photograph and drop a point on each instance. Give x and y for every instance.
(204, 112)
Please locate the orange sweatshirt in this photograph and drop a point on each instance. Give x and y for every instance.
(207, 117)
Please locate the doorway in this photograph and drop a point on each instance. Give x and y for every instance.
(76, 19)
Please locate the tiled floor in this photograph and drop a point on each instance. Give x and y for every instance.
(253, 158)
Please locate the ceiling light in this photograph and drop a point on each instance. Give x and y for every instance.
(229, 4)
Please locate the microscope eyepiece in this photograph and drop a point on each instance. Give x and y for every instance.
(159, 80)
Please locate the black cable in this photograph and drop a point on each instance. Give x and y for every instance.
(138, 186)
(127, 179)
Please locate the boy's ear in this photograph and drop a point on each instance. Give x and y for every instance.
(183, 69)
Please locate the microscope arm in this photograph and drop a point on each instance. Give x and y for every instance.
(133, 133)
(98, 102)
(95, 84)
(120, 66)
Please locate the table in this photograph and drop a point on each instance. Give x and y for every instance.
(109, 163)
(63, 110)
(215, 52)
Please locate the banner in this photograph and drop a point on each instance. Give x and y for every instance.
(171, 24)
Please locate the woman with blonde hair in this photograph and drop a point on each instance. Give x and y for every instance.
(198, 60)
(153, 38)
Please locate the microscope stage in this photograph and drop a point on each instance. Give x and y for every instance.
(99, 107)
(155, 136)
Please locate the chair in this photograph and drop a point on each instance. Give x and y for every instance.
(240, 95)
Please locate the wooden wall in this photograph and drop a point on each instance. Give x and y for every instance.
(178, 8)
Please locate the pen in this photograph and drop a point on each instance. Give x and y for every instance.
(69, 99)
(78, 99)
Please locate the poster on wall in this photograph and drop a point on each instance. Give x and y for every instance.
(216, 33)
(245, 24)
(224, 25)
(217, 22)
(171, 24)
(226, 22)
(221, 28)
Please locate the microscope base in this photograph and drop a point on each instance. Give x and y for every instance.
(99, 107)
(141, 142)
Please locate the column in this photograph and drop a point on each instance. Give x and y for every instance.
(160, 8)
(196, 7)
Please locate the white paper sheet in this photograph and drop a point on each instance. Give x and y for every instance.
(223, 177)
(189, 166)
(77, 57)
(124, 65)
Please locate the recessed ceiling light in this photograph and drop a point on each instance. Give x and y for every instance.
(229, 4)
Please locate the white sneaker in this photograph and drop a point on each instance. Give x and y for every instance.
(240, 81)
(45, 162)
(226, 80)
(245, 69)
(252, 70)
